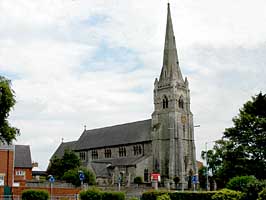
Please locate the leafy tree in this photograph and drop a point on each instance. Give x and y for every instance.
(7, 101)
(58, 166)
(242, 150)
(72, 176)
(249, 185)
(248, 135)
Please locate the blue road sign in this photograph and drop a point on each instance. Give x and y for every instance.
(51, 179)
(194, 179)
(81, 176)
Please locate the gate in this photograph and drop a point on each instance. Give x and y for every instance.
(7, 192)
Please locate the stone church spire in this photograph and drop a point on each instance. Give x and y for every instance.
(170, 70)
(173, 146)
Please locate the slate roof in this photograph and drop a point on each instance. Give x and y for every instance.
(100, 167)
(101, 170)
(124, 161)
(22, 156)
(63, 147)
(128, 133)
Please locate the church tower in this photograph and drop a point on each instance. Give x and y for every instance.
(172, 121)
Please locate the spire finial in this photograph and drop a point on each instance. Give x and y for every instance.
(85, 127)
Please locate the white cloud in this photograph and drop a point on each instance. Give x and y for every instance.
(64, 79)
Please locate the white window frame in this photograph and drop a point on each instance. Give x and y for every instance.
(2, 179)
(20, 173)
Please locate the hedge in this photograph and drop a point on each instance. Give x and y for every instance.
(152, 195)
(163, 197)
(262, 194)
(227, 194)
(96, 194)
(191, 195)
(113, 195)
(35, 194)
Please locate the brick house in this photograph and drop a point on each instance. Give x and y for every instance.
(7, 153)
(15, 165)
(22, 165)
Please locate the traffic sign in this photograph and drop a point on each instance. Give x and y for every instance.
(51, 179)
(81, 176)
(194, 179)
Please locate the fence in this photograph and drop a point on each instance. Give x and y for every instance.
(57, 197)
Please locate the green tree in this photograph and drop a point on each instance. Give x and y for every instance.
(242, 150)
(72, 176)
(58, 166)
(7, 101)
(248, 135)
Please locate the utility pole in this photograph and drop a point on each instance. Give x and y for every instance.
(207, 170)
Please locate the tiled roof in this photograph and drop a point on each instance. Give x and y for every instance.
(62, 148)
(23, 156)
(115, 135)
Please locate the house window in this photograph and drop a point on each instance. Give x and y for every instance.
(107, 153)
(94, 154)
(165, 102)
(2, 179)
(137, 150)
(20, 173)
(122, 152)
(82, 155)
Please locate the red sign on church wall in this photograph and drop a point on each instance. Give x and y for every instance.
(155, 177)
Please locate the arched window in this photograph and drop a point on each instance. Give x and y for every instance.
(165, 102)
(181, 103)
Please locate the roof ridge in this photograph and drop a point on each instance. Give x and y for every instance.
(116, 125)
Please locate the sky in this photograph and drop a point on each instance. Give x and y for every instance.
(85, 62)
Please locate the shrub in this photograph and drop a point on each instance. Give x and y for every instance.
(239, 183)
(249, 185)
(113, 196)
(91, 194)
(262, 194)
(163, 197)
(35, 194)
(191, 195)
(96, 194)
(152, 195)
(253, 188)
(227, 194)
(138, 180)
(176, 180)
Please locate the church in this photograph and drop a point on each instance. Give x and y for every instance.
(163, 144)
